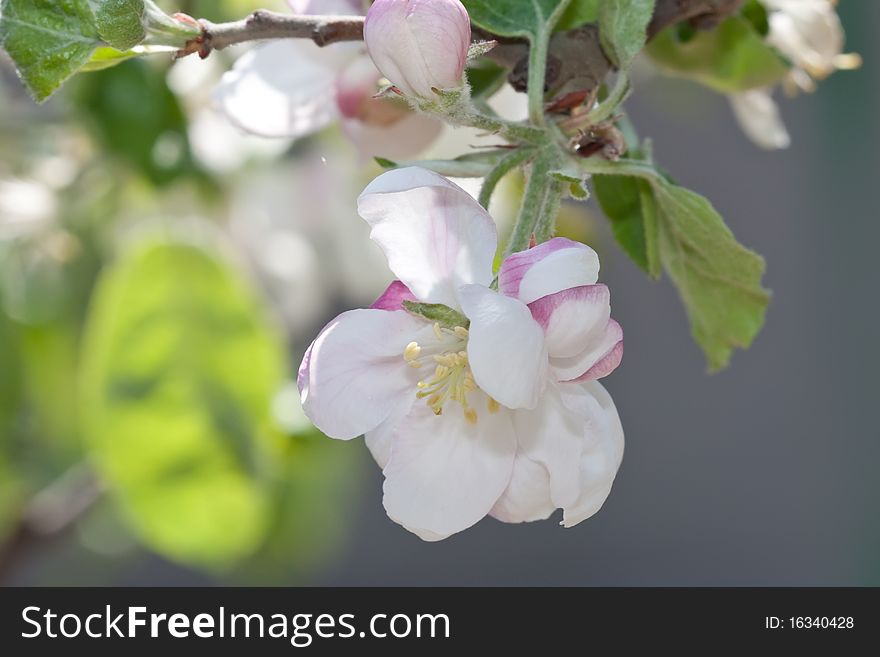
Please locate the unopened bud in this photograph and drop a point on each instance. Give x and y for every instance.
(419, 45)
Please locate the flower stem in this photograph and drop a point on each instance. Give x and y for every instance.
(537, 76)
(540, 203)
(501, 169)
(514, 132)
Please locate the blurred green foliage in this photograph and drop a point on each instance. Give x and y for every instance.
(179, 369)
(137, 345)
(732, 58)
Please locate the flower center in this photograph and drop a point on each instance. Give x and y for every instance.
(452, 379)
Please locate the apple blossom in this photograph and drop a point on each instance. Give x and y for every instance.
(293, 89)
(420, 45)
(474, 399)
(810, 35)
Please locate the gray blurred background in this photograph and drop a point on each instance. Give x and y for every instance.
(764, 474)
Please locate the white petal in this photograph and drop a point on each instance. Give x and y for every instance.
(809, 33)
(506, 349)
(527, 497)
(758, 116)
(597, 361)
(379, 439)
(603, 448)
(445, 473)
(354, 375)
(435, 235)
(583, 341)
(552, 266)
(572, 318)
(286, 88)
(405, 138)
(327, 7)
(575, 434)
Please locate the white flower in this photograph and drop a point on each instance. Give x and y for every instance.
(419, 45)
(759, 117)
(292, 88)
(809, 34)
(498, 412)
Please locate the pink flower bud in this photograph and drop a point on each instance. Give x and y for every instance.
(419, 45)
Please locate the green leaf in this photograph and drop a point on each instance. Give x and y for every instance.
(179, 370)
(579, 12)
(437, 312)
(514, 18)
(385, 163)
(575, 182)
(629, 205)
(756, 14)
(485, 78)
(106, 57)
(48, 40)
(731, 58)
(719, 279)
(623, 28)
(120, 22)
(134, 116)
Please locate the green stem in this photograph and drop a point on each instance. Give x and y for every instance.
(539, 204)
(501, 169)
(451, 168)
(545, 226)
(163, 30)
(515, 132)
(537, 76)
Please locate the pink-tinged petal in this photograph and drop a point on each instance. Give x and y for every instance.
(393, 297)
(575, 435)
(445, 473)
(527, 497)
(572, 319)
(407, 137)
(598, 360)
(506, 349)
(356, 86)
(327, 7)
(548, 268)
(419, 45)
(610, 361)
(282, 89)
(603, 447)
(354, 375)
(435, 235)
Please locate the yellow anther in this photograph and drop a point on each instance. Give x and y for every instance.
(493, 405)
(452, 379)
(470, 415)
(412, 351)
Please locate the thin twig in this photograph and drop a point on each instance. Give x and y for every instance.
(263, 25)
(50, 514)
